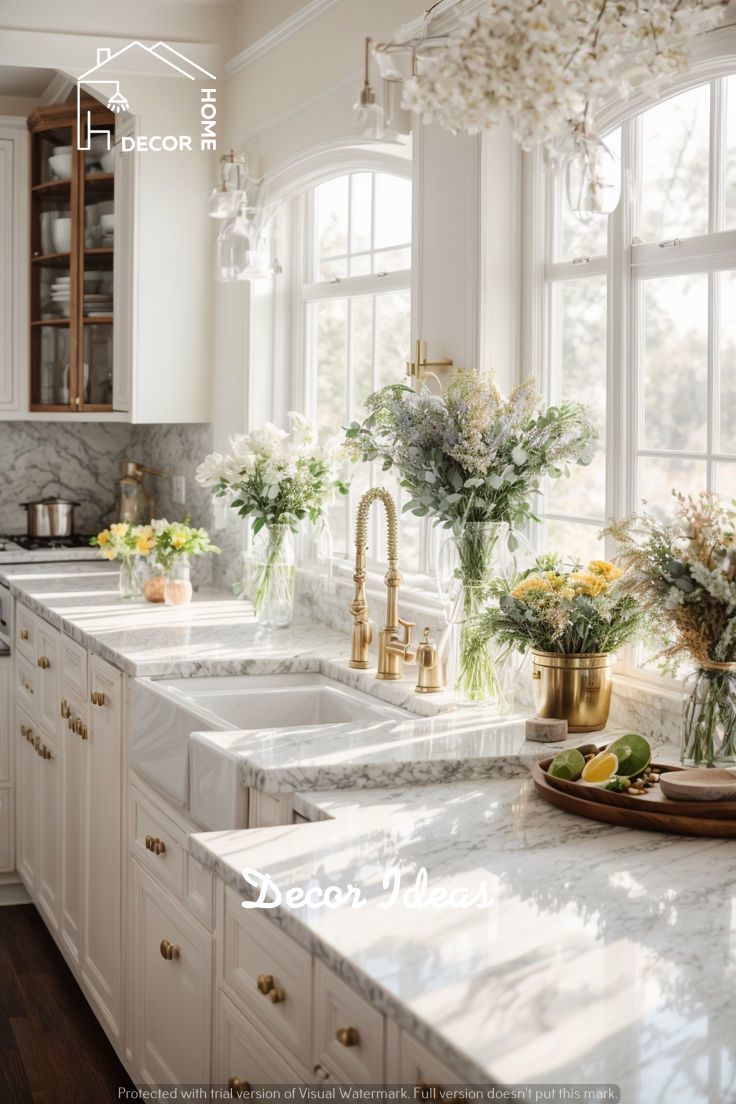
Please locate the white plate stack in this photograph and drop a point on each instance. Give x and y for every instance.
(60, 294)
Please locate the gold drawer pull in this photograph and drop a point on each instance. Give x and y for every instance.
(24, 634)
(43, 662)
(97, 697)
(45, 752)
(64, 709)
(347, 1036)
(156, 845)
(169, 950)
(26, 731)
(238, 1087)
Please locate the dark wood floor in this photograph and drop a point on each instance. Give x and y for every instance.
(51, 1047)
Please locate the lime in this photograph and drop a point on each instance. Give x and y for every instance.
(567, 764)
(633, 753)
(601, 767)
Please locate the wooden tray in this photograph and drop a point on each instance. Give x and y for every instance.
(652, 812)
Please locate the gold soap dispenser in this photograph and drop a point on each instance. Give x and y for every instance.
(429, 665)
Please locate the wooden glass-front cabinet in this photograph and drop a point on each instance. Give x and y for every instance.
(71, 260)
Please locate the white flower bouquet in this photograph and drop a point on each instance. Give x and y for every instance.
(277, 479)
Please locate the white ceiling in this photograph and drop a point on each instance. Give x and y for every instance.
(18, 81)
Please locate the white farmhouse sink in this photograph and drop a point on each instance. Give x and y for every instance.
(165, 712)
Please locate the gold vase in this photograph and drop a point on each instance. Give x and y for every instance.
(574, 688)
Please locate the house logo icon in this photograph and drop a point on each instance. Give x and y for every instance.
(103, 80)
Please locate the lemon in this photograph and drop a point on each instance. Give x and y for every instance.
(567, 764)
(601, 767)
(633, 753)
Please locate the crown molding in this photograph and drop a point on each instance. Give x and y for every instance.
(278, 34)
(57, 89)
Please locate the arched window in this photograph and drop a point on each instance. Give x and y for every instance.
(354, 301)
(636, 315)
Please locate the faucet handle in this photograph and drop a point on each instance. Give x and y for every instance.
(408, 627)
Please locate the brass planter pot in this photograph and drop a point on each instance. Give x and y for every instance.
(575, 688)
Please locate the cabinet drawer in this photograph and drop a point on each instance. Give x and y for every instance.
(419, 1067)
(270, 974)
(244, 1058)
(73, 668)
(157, 842)
(25, 632)
(26, 685)
(349, 1042)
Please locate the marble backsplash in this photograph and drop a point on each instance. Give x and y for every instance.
(82, 461)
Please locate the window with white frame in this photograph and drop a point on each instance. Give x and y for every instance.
(636, 316)
(355, 301)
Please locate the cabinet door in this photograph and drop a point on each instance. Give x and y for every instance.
(102, 928)
(47, 661)
(172, 987)
(27, 764)
(73, 740)
(7, 831)
(13, 264)
(48, 889)
(245, 1057)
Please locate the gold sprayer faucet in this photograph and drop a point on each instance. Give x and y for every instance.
(392, 650)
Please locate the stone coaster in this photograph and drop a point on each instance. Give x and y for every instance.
(546, 730)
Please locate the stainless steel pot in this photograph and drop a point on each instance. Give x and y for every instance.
(50, 518)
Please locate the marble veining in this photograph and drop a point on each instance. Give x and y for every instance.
(593, 962)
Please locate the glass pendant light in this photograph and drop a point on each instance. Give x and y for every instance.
(368, 114)
(231, 249)
(593, 180)
(229, 195)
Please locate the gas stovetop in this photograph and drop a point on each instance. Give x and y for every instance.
(42, 544)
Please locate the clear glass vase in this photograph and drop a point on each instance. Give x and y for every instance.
(709, 716)
(479, 671)
(178, 587)
(274, 562)
(130, 580)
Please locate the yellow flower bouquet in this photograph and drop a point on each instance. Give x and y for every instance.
(128, 544)
(573, 611)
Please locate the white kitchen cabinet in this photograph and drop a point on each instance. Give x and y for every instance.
(7, 826)
(101, 963)
(13, 265)
(26, 763)
(349, 1033)
(7, 830)
(270, 974)
(418, 1066)
(73, 730)
(48, 785)
(246, 1057)
(171, 1014)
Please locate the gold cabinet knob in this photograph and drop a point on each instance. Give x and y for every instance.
(24, 634)
(43, 662)
(277, 995)
(82, 729)
(347, 1036)
(168, 950)
(46, 753)
(26, 731)
(64, 709)
(155, 845)
(265, 983)
(238, 1087)
(97, 697)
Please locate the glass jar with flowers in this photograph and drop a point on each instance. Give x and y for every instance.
(129, 545)
(573, 619)
(175, 543)
(278, 480)
(683, 571)
(472, 460)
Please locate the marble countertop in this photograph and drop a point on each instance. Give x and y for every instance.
(59, 555)
(603, 956)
